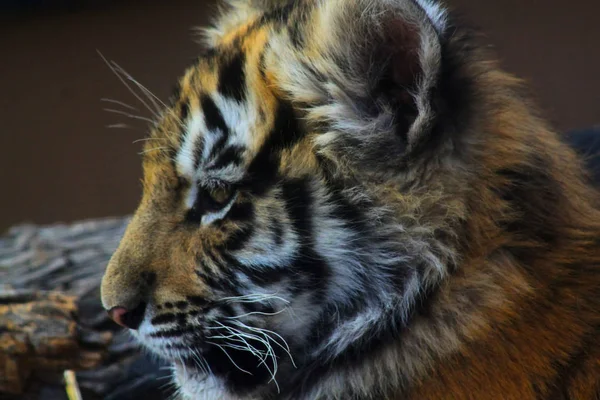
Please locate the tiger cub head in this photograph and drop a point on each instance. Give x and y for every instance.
(306, 192)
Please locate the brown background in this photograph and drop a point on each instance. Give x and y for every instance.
(59, 161)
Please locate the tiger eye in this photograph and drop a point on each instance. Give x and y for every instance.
(220, 194)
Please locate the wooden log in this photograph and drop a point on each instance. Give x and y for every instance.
(51, 319)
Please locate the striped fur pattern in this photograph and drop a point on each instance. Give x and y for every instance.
(348, 200)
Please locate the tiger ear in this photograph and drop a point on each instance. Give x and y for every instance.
(365, 71)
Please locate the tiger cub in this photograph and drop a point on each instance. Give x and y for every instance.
(348, 199)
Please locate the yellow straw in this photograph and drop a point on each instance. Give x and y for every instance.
(71, 386)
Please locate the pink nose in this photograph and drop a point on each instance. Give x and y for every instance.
(128, 319)
(117, 314)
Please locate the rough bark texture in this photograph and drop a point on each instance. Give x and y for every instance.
(51, 318)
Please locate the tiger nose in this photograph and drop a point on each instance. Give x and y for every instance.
(128, 318)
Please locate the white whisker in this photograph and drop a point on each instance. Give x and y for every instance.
(119, 126)
(147, 140)
(117, 74)
(151, 96)
(240, 337)
(256, 313)
(263, 360)
(128, 115)
(253, 298)
(267, 333)
(119, 103)
(228, 356)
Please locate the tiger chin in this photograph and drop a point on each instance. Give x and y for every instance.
(348, 199)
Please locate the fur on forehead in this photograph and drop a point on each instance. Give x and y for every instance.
(232, 14)
(217, 139)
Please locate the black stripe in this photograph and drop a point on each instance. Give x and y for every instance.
(296, 35)
(208, 54)
(184, 110)
(241, 212)
(351, 214)
(262, 64)
(176, 93)
(212, 115)
(286, 132)
(297, 23)
(277, 231)
(214, 123)
(264, 276)
(278, 14)
(202, 204)
(224, 280)
(198, 301)
(298, 201)
(231, 155)
(175, 332)
(232, 78)
(311, 269)
(163, 319)
(227, 281)
(286, 129)
(218, 147)
(259, 276)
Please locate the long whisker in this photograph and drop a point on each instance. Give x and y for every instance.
(128, 115)
(119, 103)
(200, 362)
(240, 337)
(237, 338)
(253, 298)
(148, 139)
(137, 96)
(269, 350)
(142, 87)
(119, 126)
(151, 96)
(257, 313)
(267, 333)
(228, 356)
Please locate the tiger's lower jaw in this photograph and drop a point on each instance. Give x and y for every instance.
(193, 384)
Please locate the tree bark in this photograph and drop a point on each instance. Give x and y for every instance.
(51, 319)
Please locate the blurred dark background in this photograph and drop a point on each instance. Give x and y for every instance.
(60, 162)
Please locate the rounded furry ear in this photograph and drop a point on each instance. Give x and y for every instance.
(365, 70)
